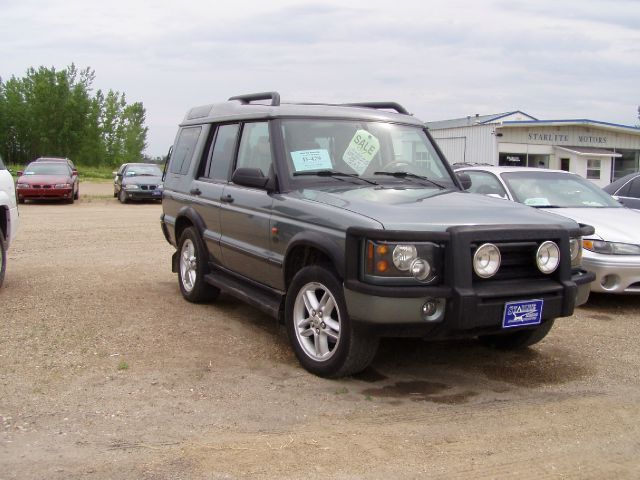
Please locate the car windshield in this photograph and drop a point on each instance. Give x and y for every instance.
(42, 168)
(143, 170)
(556, 189)
(368, 151)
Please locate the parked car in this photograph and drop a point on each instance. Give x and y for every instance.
(346, 223)
(138, 181)
(47, 181)
(8, 216)
(612, 252)
(626, 190)
(74, 171)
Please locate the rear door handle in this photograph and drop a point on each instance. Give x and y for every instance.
(226, 199)
(195, 191)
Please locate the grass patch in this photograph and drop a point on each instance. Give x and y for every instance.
(123, 365)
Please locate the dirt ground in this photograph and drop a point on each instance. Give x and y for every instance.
(107, 373)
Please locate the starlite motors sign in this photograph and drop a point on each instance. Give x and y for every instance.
(555, 138)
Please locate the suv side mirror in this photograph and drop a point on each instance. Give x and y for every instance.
(465, 180)
(249, 177)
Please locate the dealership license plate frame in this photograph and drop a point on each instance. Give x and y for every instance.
(522, 313)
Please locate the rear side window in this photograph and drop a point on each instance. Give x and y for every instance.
(183, 151)
(222, 152)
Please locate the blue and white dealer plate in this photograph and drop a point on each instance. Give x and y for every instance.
(524, 312)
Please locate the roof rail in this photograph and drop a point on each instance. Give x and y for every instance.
(252, 97)
(380, 105)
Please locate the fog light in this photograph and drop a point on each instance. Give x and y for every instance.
(548, 257)
(486, 260)
(433, 309)
(420, 269)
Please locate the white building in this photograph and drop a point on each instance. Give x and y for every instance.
(599, 151)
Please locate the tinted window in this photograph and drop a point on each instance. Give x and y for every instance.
(634, 191)
(485, 184)
(255, 149)
(222, 153)
(183, 151)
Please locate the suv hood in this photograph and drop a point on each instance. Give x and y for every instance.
(421, 209)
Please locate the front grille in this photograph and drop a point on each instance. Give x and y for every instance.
(41, 186)
(518, 261)
(148, 187)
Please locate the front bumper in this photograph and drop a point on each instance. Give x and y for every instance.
(143, 194)
(613, 273)
(44, 193)
(467, 306)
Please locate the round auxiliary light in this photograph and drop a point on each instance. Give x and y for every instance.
(420, 269)
(548, 257)
(403, 255)
(486, 260)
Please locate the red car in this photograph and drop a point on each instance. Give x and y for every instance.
(47, 181)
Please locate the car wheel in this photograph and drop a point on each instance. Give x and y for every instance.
(20, 200)
(192, 267)
(122, 196)
(3, 258)
(319, 328)
(71, 199)
(519, 339)
(77, 195)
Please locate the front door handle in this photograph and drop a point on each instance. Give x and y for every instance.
(195, 191)
(226, 199)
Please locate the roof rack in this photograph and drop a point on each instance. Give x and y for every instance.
(380, 105)
(252, 97)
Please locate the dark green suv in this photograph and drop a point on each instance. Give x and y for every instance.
(346, 223)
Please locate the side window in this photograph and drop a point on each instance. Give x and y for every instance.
(2, 167)
(634, 191)
(183, 150)
(221, 152)
(255, 149)
(486, 184)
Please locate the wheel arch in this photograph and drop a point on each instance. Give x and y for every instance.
(311, 248)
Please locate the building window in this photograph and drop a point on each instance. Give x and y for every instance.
(565, 164)
(593, 169)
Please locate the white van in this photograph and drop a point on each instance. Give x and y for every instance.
(8, 215)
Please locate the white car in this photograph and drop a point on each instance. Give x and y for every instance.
(8, 216)
(612, 253)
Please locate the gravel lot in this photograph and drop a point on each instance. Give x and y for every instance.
(106, 372)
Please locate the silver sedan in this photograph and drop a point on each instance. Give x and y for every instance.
(612, 253)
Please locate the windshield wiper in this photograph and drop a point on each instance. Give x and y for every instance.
(410, 175)
(334, 174)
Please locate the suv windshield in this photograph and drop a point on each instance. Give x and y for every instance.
(374, 151)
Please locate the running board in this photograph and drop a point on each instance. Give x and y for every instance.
(266, 300)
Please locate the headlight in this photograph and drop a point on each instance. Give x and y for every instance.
(548, 257)
(403, 256)
(610, 248)
(486, 260)
(62, 185)
(131, 186)
(160, 187)
(23, 185)
(391, 263)
(575, 247)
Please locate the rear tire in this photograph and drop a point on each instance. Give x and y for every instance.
(192, 267)
(519, 339)
(3, 257)
(319, 328)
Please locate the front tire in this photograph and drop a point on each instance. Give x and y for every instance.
(319, 328)
(519, 339)
(192, 267)
(122, 196)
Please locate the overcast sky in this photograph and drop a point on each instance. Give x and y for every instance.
(441, 59)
